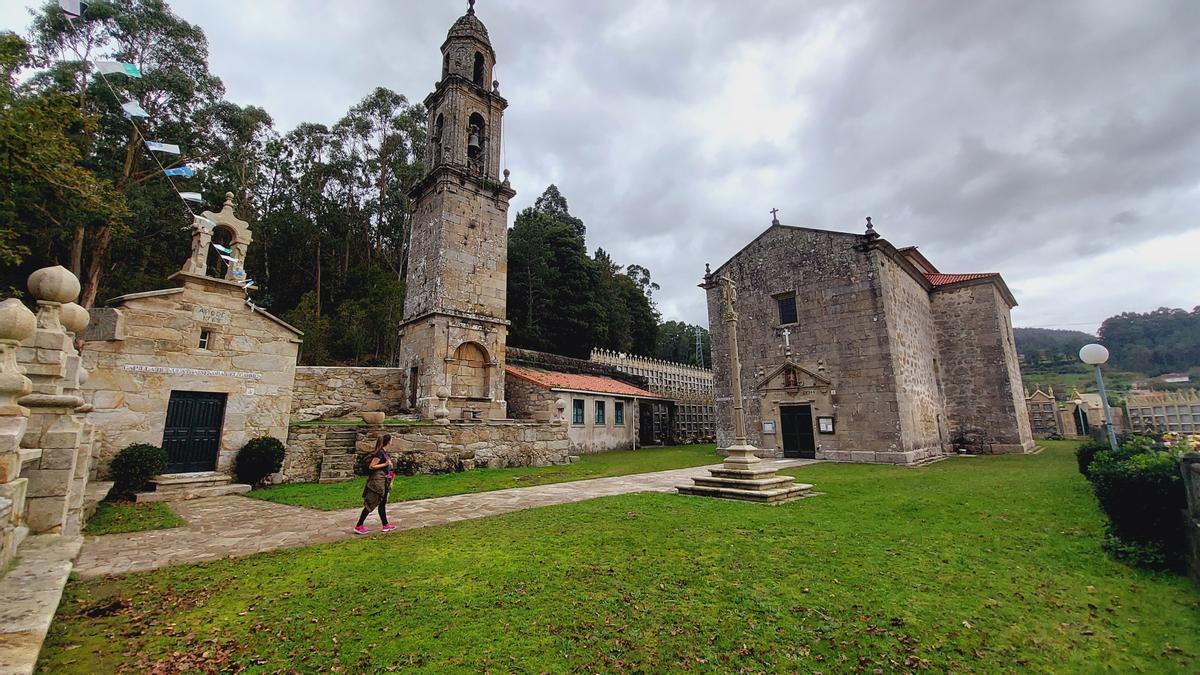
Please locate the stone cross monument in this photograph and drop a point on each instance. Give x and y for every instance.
(741, 476)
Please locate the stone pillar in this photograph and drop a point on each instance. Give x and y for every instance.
(16, 324)
(58, 477)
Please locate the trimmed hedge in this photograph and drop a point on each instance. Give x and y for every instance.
(258, 459)
(1140, 490)
(134, 465)
(1085, 454)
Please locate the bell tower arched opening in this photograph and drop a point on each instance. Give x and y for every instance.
(479, 72)
(476, 142)
(218, 267)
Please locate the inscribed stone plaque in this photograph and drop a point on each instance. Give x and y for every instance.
(210, 315)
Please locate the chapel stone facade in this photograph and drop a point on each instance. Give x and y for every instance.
(854, 350)
(454, 329)
(196, 369)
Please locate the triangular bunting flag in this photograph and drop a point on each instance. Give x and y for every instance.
(193, 196)
(222, 249)
(228, 258)
(163, 147)
(70, 7)
(185, 171)
(118, 68)
(132, 109)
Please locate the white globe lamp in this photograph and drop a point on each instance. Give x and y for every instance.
(1093, 354)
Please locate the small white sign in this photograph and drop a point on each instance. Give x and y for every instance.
(769, 426)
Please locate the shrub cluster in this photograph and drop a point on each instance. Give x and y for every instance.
(1141, 491)
(258, 459)
(134, 465)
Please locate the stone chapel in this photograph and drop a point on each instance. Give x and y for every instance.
(454, 330)
(855, 350)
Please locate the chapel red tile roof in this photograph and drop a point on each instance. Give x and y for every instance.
(946, 279)
(593, 383)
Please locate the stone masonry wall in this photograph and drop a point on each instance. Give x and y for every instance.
(527, 401)
(981, 380)
(914, 349)
(438, 448)
(250, 357)
(361, 389)
(840, 327)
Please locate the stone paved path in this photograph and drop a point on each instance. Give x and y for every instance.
(233, 526)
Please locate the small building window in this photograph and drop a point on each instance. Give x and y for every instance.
(619, 413)
(787, 308)
(599, 413)
(577, 411)
(205, 339)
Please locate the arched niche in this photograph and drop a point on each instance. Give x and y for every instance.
(222, 238)
(476, 142)
(469, 371)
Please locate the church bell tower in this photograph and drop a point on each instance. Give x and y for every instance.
(454, 329)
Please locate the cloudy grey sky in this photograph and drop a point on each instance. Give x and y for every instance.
(1057, 143)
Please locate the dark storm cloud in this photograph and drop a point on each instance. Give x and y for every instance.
(1053, 142)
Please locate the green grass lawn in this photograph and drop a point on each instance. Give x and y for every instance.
(972, 564)
(117, 517)
(348, 494)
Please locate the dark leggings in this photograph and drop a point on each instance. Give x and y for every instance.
(362, 518)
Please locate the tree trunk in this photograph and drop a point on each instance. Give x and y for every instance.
(77, 252)
(91, 285)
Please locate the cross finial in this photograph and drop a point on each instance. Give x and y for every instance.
(470, 7)
(870, 227)
(774, 216)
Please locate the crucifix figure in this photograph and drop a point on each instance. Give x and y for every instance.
(774, 216)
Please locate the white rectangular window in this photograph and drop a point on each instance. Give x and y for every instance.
(205, 338)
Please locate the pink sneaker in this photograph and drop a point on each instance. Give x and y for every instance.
(387, 528)
(359, 529)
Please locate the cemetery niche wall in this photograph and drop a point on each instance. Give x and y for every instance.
(196, 369)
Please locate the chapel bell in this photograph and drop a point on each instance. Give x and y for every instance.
(473, 139)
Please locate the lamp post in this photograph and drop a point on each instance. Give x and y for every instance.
(1095, 355)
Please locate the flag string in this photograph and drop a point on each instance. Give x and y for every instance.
(141, 138)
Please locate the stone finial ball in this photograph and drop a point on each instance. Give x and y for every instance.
(442, 392)
(1093, 354)
(16, 321)
(54, 284)
(75, 318)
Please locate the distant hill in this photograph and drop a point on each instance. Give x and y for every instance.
(1049, 348)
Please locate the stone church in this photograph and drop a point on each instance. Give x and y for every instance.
(855, 350)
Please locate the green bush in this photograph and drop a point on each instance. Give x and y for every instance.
(134, 466)
(1085, 454)
(258, 459)
(1143, 496)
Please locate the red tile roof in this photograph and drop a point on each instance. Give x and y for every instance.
(947, 279)
(594, 383)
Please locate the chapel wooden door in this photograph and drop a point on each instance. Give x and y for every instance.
(192, 437)
(796, 425)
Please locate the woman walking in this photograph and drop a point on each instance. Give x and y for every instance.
(379, 483)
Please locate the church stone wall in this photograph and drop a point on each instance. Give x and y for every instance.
(914, 346)
(361, 389)
(437, 448)
(838, 333)
(250, 357)
(981, 377)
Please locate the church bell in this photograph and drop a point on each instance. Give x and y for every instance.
(473, 140)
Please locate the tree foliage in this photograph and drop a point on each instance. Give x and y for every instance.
(677, 342)
(1157, 342)
(562, 301)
